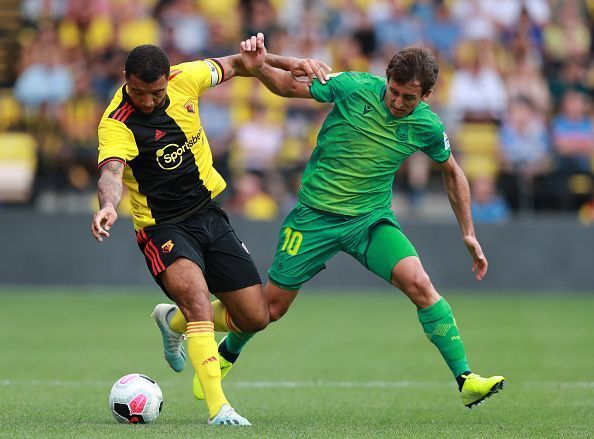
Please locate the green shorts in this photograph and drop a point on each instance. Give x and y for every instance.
(310, 237)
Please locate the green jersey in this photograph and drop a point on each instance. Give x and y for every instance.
(361, 145)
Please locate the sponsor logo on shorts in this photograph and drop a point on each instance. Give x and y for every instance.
(167, 247)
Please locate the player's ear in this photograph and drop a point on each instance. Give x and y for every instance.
(425, 97)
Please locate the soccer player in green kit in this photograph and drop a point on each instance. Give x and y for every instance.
(344, 203)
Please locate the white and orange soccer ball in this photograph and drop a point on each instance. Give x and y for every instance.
(135, 399)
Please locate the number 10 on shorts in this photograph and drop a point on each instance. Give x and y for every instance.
(292, 241)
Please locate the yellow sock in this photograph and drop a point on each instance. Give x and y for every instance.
(178, 322)
(202, 349)
(222, 319)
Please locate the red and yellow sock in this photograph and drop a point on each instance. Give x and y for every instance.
(222, 320)
(202, 349)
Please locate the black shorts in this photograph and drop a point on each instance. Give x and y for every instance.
(207, 238)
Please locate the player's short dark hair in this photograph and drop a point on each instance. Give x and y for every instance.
(148, 63)
(414, 64)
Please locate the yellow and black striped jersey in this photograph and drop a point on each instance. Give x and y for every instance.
(169, 171)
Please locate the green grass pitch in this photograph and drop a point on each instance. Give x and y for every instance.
(338, 365)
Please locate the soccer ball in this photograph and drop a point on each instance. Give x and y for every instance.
(135, 399)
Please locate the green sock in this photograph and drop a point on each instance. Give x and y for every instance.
(234, 343)
(440, 327)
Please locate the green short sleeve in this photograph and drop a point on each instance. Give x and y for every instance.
(337, 87)
(438, 146)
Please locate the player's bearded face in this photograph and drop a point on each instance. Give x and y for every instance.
(147, 96)
(402, 99)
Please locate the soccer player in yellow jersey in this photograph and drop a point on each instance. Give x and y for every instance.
(151, 139)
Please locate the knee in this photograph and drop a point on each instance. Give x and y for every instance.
(276, 314)
(276, 311)
(419, 289)
(255, 323)
(195, 307)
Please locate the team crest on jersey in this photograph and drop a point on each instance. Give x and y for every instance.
(189, 106)
(446, 141)
(167, 247)
(402, 133)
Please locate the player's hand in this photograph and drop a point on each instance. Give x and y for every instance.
(103, 220)
(312, 68)
(479, 261)
(253, 52)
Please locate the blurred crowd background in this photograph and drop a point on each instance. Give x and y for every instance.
(515, 93)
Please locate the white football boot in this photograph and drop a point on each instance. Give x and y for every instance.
(228, 416)
(173, 348)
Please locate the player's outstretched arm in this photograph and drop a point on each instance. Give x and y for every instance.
(280, 82)
(109, 192)
(459, 194)
(233, 65)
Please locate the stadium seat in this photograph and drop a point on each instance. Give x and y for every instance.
(478, 143)
(18, 163)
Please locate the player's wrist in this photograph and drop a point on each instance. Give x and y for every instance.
(108, 205)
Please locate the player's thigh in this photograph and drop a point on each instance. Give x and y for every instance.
(307, 240)
(185, 283)
(386, 247)
(163, 246)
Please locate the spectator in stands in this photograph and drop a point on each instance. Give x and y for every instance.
(526, 82)
(474, 19)
(573, 134)
(35, 11)
(188, 29)
(221, 40)
(443, 33)
(251, 200)
(258, 16)
(396, 27)
(571, 77)
(135, 24)
(567, 36)
(46, 81)
(78, 120)
(215, 113)
(477, 91)
(526, 38)
(525, 153)
(487, 205)
(258, 141)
